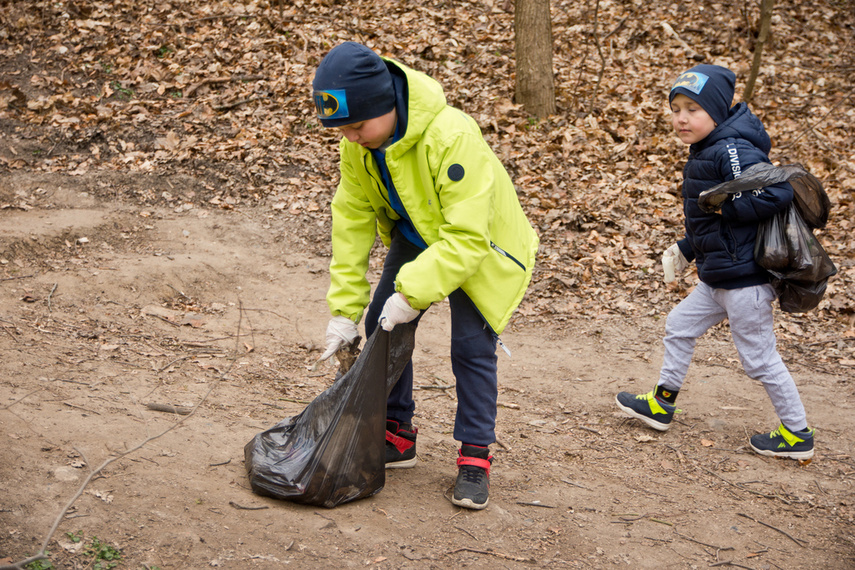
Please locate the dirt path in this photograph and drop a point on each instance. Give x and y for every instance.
(107, 308)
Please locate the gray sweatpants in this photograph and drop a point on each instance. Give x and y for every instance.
(749, 311)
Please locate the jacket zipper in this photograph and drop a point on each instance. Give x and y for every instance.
(508, 255)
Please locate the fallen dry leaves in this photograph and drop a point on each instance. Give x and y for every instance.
(219, 91)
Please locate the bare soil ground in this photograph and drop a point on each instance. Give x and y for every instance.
(107, 306)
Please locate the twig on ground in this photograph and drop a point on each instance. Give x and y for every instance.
(461, 529)
(535, 504)
(6, 330)
(798, 541)
(82, 408)
(295, 401)
(170, 409)
(268, 311)
(692, 53)
(730, 563)
(619, 25)
(810, 128)
(741, 488)
(241, 507)
(18, 277)
(489, 553)
(6, 407)
(229, 106)
(689, 538)
(73, 381)
(179, 359)
(575, 484)
(49, 296)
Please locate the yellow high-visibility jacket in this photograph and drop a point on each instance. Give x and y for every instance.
(458, 196)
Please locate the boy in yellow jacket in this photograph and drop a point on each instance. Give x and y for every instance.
(420, 174)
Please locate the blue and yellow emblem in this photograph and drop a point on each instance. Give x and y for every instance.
(331, 104)
(692, 81)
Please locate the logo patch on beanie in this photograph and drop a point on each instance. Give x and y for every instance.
(331, 104)
(694, 81)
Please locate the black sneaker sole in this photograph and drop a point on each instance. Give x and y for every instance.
(469, 503)
(797, 455)
(403, 464)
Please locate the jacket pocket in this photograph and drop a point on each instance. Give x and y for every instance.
(508, 255)
(728, 240)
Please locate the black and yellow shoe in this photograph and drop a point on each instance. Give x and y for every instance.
(785, 443)
(653, 411)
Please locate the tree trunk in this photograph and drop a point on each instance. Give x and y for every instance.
(765, 22)
(535, 88)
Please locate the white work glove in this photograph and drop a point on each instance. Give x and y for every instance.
(396, 311)
(340, 332)
(673, 262)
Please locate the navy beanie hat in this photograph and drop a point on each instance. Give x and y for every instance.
(352, 84)
(710, 86)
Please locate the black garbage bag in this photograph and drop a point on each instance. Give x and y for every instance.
(334, 450)
(770, 248)
(796, 297)
(809, 195)
(785, 244)
(802, 284)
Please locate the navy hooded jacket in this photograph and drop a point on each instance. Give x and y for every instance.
(722, 244)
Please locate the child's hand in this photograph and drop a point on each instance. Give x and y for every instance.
(341, 331)
(673, 262)
(396, 311)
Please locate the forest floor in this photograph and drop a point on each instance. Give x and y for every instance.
(215, 308)
(151, 257)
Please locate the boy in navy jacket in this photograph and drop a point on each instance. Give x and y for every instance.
(724, 141)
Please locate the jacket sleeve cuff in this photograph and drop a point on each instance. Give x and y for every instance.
(686, 249)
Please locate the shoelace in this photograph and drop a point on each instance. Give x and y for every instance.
(472, 474)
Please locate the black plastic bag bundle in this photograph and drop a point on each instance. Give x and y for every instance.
(785, 245)
(808, 194)
(802, 284)
(813, 203)
(770, 248)
(334, 450)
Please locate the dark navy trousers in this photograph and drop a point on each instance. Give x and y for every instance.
(473, 356)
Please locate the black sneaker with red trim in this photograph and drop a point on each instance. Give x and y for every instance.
(472, 489)
(400, 445)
